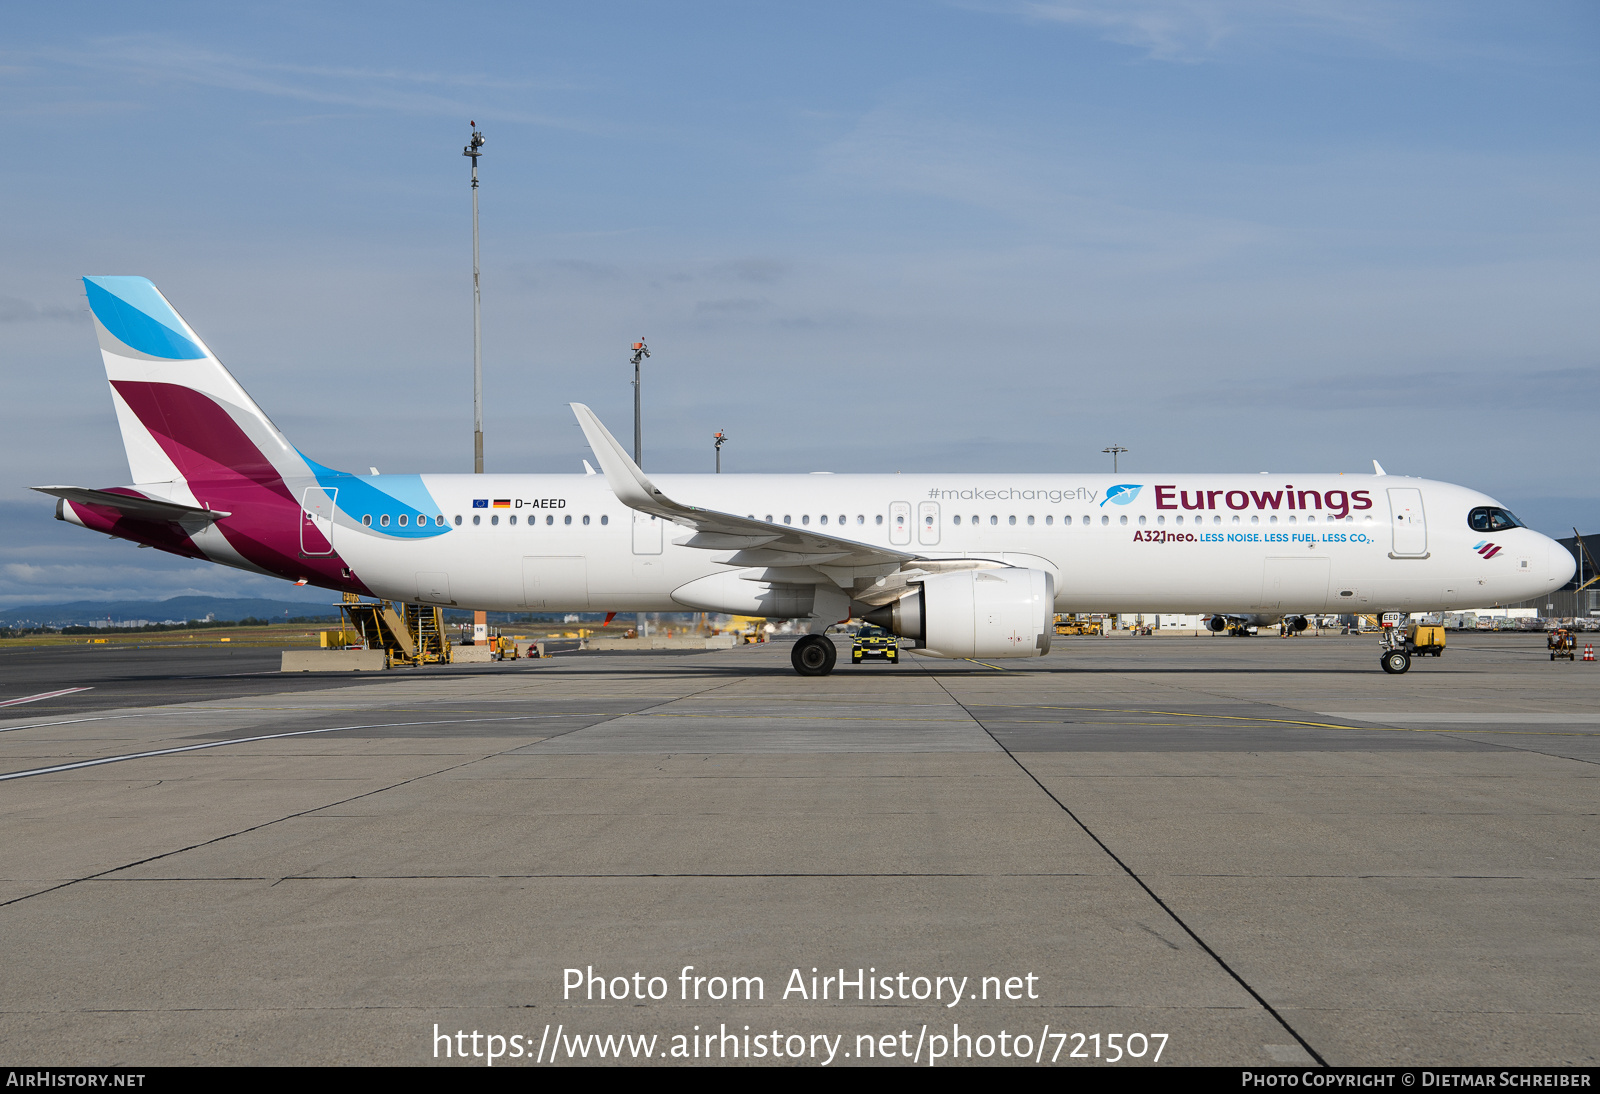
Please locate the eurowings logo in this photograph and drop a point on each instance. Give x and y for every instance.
(1123, 494)
(1486, 549)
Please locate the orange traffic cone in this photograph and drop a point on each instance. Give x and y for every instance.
(1588, 651)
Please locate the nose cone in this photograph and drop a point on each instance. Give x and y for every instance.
(1562, 565)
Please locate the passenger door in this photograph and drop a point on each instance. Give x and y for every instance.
(316, 521)
(928, 523)
(1409, 523)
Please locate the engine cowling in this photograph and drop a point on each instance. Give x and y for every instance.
(975, 613)
(1218, 623)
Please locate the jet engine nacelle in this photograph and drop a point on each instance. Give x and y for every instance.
(1297, 623)
(975, 613)
(1218, 623)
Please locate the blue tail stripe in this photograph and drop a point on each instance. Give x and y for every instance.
(134, 312)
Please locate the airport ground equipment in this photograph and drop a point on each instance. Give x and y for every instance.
(1072, 624)
(1562, 644)
(409, 634)
(1425, 640)
(874, 642)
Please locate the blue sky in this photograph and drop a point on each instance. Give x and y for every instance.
(1231, 236)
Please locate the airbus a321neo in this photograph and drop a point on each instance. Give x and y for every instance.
(962, 566)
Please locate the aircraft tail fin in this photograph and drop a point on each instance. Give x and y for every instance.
(183, 416)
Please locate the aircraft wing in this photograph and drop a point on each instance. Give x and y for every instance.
(756, 542)
(133, 505)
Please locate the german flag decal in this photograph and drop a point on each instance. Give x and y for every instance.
(502, 503)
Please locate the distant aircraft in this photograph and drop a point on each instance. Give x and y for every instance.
(962, 565)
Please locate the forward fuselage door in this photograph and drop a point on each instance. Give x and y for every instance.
(1410, 525)
(316, 521)
(647, 533)
(928, 523)
(900, 523)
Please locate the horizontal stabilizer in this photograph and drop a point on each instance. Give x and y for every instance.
(132, 505)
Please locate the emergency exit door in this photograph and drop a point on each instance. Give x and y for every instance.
(900, 523)
(647, 530)
(928, 523)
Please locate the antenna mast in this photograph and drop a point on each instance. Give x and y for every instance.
(472, 152)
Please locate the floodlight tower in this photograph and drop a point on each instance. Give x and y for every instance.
(640, 352)
(1114, 450)
(718, 439)
(471, 151)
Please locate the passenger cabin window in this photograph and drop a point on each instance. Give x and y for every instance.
(586, 519)
(550, 519)
(878, 519)
(458, 520)
(956, 518)
(604, 519)
(366, 521)
(567, 519)
(495, 519)
(476, 519)
(384, 520)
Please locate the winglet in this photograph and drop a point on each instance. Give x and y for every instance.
(1377, 468)
(622, 474)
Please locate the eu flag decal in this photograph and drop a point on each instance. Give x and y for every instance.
(480, 503)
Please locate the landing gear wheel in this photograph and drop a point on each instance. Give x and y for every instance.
(813, 655)
(1395, 662)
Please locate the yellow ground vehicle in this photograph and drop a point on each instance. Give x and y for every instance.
(874, 642)
(1071, 624)
(1425, 640)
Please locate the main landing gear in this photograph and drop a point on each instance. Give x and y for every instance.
(814, 655)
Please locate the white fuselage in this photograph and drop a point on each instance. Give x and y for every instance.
(1169, 543)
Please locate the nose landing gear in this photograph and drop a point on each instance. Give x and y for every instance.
(1395, 662)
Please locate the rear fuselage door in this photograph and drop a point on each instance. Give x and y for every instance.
(316, 521)
(1410, 525)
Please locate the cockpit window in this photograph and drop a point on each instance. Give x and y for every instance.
(1488, 519)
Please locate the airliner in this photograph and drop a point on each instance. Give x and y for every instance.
(960, 565)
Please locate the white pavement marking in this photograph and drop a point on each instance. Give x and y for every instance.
(220, 744)
(42, 695)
